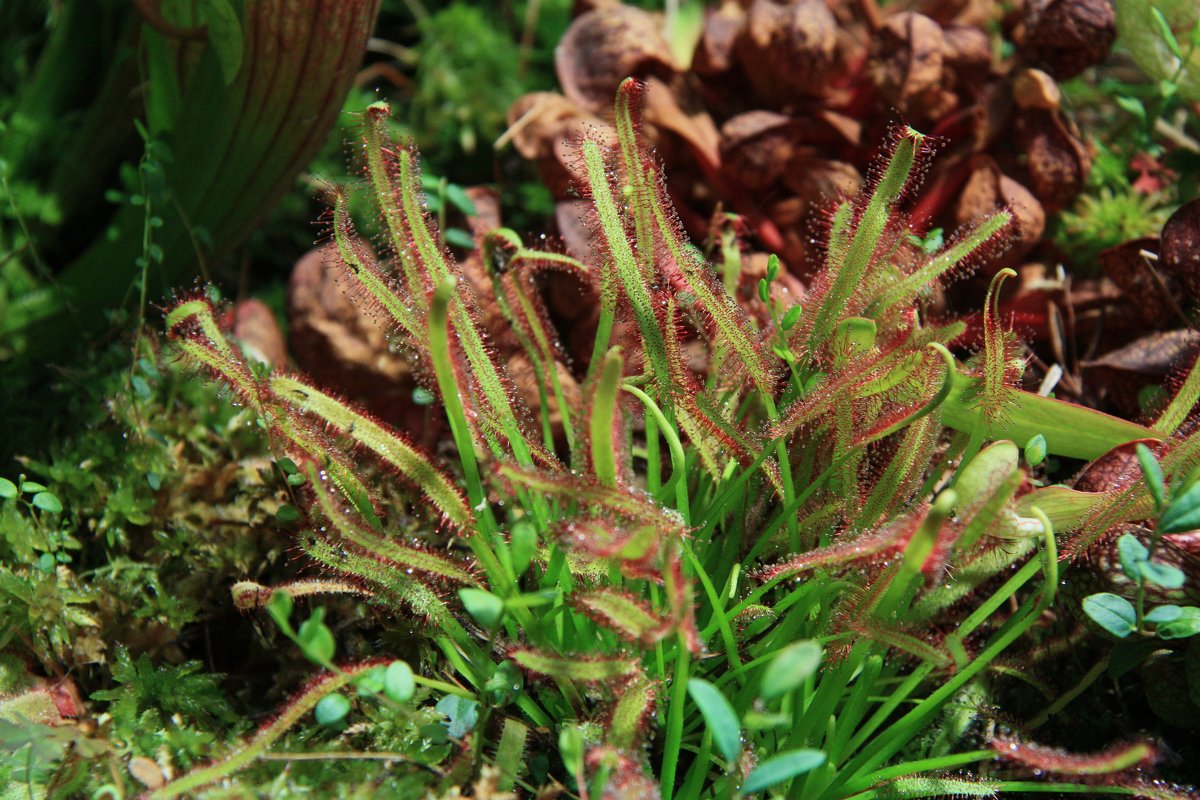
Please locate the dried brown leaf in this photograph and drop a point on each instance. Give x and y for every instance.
(606, 46)
(1146, 287)
(1068, 36)
(908, 66)
(788, 50)
(1057, 161)
(988, 189)
(1179, 253)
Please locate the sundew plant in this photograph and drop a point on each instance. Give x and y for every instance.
(795, 570)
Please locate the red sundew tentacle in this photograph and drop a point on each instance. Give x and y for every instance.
(628, 718)
(246, 751)
(621, 503)
(1118, 758)
(628, 616)
(375, 290)
(588, 669)
(389, 446)
(638, 548)
(904, 641)
(891, 539)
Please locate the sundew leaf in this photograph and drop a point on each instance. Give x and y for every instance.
(850, 257)
(509, 752)
(246, 751)
(623, 259)
(655, 221)
(249, 595)
(1112, 612)
(412, 559)
(623, 613)
(789, 669)
(385, 442)
(780, 768)
(719, 716)
(587, 669)
(1054, 761)
(922, 786)
(633, 708)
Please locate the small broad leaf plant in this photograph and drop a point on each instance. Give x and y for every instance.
(732, 579)
(1177, 509)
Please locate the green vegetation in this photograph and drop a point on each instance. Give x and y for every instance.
(758, 543)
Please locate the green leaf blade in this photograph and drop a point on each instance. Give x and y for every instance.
(782, 767)
(1111, 612)
(719, 716)
(789, 669)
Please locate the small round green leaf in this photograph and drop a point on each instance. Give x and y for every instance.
(398, 682)
(1132, 554)
(782, 767)
(790, 668)
(8, 489)
(287, 513)
(458, 196)
(1185, 625)
(1164, 575)
(719, 716)
(47, 502)
(772, 268)
(141, 387)
(457, 237)
(1160, 614)
(279, 606)
(332, 709)
(1112, 612)
(32, 486)
(371, 681)
(1035, 450)
(316, 639)
(484, 606)
(462, 713)
(1183, 513)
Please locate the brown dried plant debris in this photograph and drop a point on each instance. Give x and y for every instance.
(783, 104)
